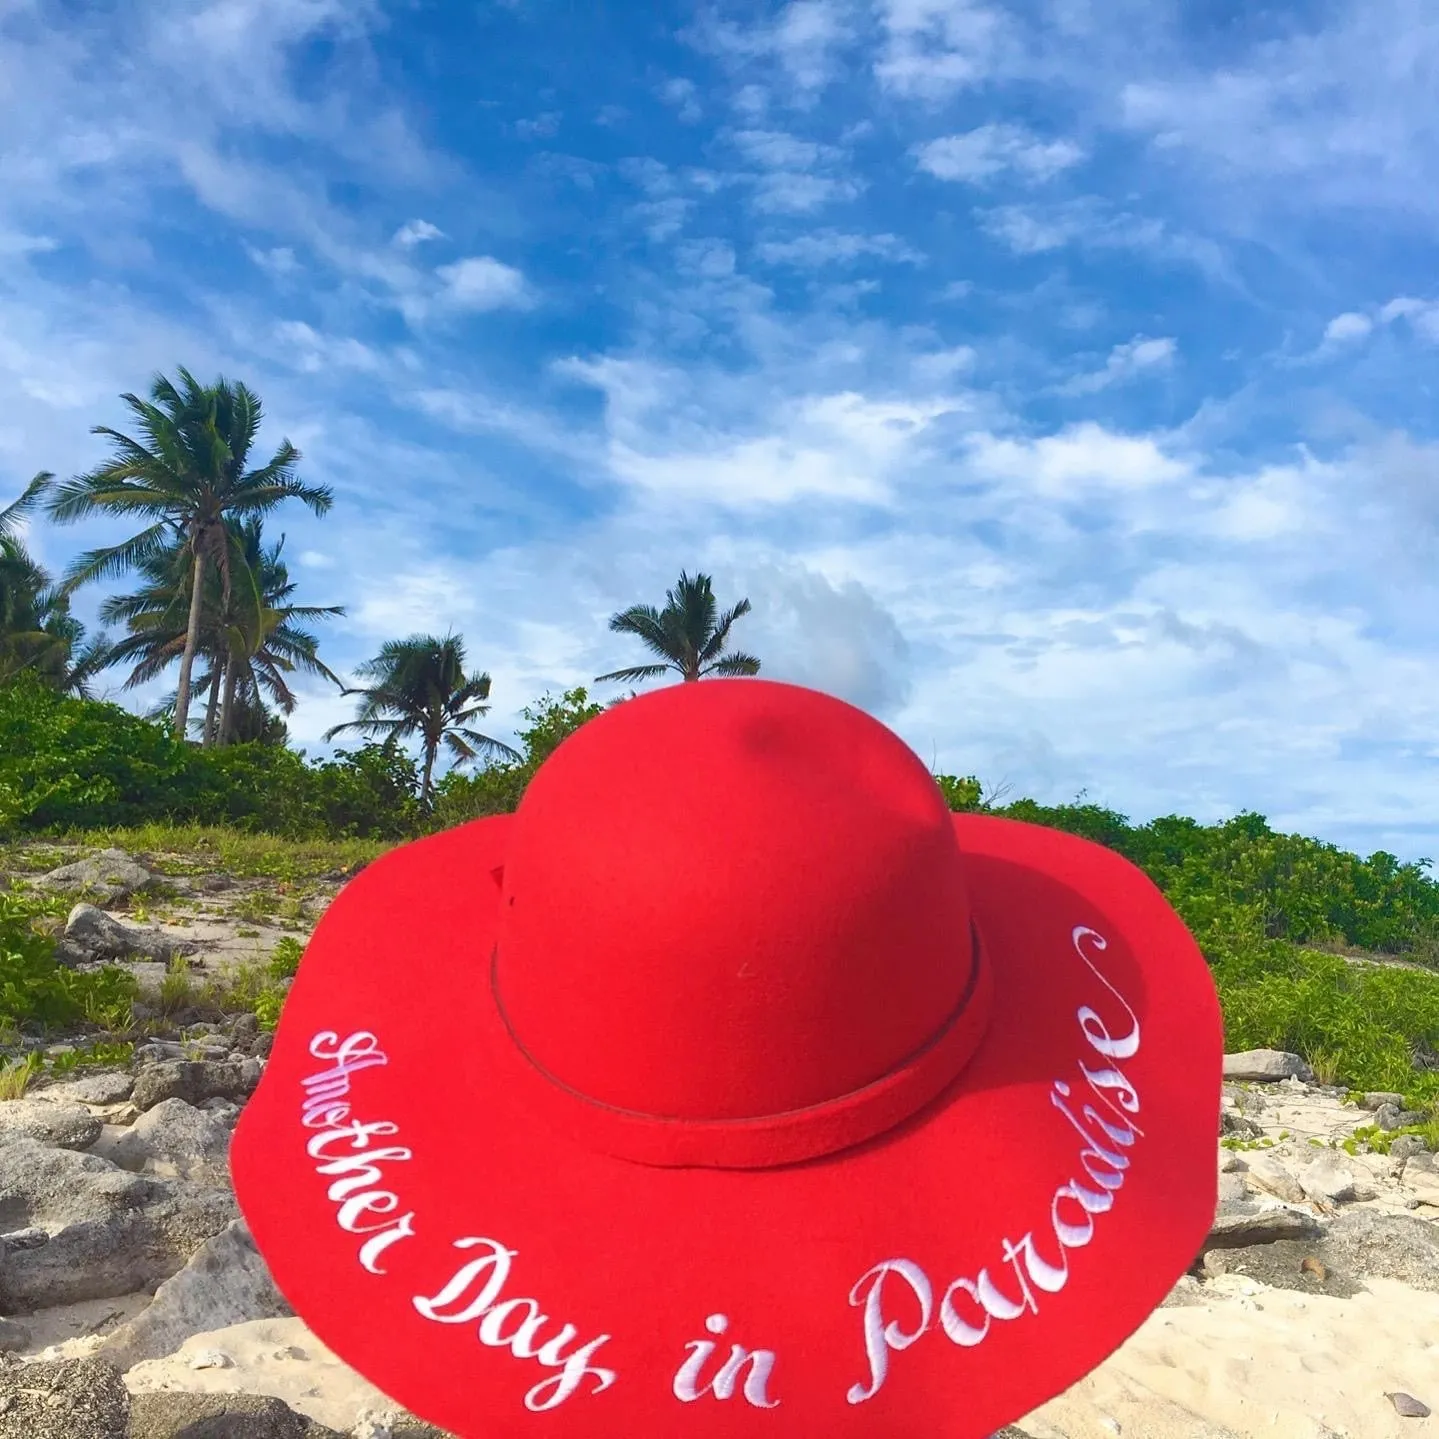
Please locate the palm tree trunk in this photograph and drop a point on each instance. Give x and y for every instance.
(192, 643)
(212, 707)
(227, 705)
(429, 770)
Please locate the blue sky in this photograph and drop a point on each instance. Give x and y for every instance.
(1057, 379)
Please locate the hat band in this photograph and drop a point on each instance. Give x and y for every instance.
(762, 1142)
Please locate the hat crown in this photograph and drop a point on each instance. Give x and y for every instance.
(730, 899)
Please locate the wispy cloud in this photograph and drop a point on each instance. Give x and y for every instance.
(1346, 327)
(934, 47)
(980, 155)
(481, 282)
(1134, 357)
(802, 42)
(682, 94)
(416, 232)
(834, 247)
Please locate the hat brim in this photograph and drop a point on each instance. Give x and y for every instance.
(983, 1186)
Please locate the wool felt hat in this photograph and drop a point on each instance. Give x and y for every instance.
(735, 1087)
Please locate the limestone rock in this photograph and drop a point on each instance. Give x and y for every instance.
(220, 1416)
(1269, 1175)
(109, 875)
(99, 1089)
(225, 1283)
(66, 1125)
(1266, 1066)
(1379, 1097)
(174, 1140)
(1390, 1117)
(111, 1233)
(195, 1081)
(69, 1399)
(1234, 1231)
(1329, 1178)
(92, 936)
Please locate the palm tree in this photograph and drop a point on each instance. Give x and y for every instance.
(188, 477)
(37, 631)
(688, 635)
(251, 643)
(421, 689)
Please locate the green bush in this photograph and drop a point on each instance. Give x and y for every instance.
(68, 764)
(36, 990)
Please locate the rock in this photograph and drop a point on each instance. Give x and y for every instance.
(243, 1028)
(1231, 1123)
(92, 936)
(1408, 1406)
(195, 1081)
(111, 1233)
(1268, 1174)
(24, 1239)
(220, 1416)
(68, 1399)
(1235, 1231)
(13, 1337)
(174, 1140)
(1328, 1178)
(109, 875)
(1379, 1097)
(1407, 1146)
(1232, 1191)
(1266, 1066)
(211, 1359)
(98, 1089)
(65, 1125)
(225, 1283)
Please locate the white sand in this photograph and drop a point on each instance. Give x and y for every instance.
(1263, 1362)
(1251, 1361)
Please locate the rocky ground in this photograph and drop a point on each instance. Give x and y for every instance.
(136, 1306)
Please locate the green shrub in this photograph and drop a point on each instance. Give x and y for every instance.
(36, 990)
(73, 764)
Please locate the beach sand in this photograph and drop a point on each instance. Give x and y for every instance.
(1231, 1360)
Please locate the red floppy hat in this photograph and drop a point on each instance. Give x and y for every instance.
(733, 1086)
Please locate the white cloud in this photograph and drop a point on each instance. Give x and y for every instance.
(279, 261)
(306, 349)
(1422, 315)
(1346, 327)
(1125, 361)
(803, 41)
(832, 247)
(538, 127)
(935, 47)
(481, 282)
(416, 232)
(682, 95)
(979, 155)
(778, 150)
(794, 194)
(836, 637)
(1343, 108)
(1089, 223)
(843, 446)
(1079, 459)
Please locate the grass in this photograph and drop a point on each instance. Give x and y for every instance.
(15, 1077)
(200, 849)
